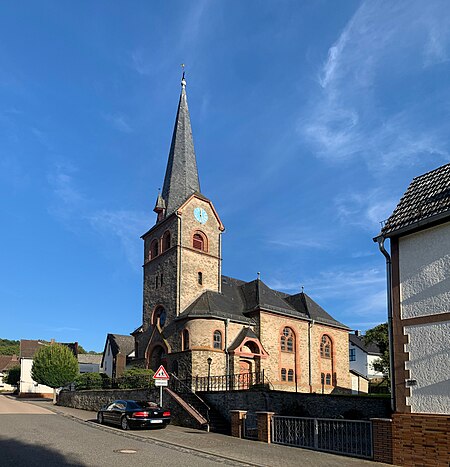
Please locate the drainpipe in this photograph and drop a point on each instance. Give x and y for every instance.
(310, 325)
(227, 356)
(380, 241)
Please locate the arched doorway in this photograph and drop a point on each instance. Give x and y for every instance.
(245, 374)
(157, 357)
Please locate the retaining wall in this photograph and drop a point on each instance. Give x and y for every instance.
(299, 404)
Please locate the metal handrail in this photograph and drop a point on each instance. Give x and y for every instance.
(189, 390)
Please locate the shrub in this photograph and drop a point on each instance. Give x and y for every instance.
(89, 381)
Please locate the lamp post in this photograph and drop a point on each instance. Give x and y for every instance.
(209, 370)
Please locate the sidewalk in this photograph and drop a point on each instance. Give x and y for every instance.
(243, 451)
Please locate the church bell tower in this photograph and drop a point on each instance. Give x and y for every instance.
(182, 251)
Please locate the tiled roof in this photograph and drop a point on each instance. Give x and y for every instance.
(427, 197)
(89, 358)
(239, 299)
(8, 361)
(371, 349)
(29, 347)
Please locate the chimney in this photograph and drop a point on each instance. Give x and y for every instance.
(357, 333)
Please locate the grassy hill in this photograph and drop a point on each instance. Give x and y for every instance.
(8, 347)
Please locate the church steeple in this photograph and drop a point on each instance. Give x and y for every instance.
(181, 179)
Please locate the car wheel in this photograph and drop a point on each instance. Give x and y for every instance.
(100, 418)
(124, 423)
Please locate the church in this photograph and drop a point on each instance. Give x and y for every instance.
(198, 322)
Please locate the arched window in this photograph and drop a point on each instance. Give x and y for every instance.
(283, 374)
(217, 344)
(287, 340)
(200, 278)
(291, 375)
(328, 379)
(166, 241)
(185, 339)
(159, 317)
(325, 347)
(154, 250)
(199, 241)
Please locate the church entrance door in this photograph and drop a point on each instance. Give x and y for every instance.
(245, 376)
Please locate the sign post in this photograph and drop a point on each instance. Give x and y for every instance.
(161, 378)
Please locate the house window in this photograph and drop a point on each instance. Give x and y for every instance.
(199, 241)
(328, 379)
(166, 241)
(161, 279)
(291, 375)
(154, 249)
(287, 340)
(200, 278)
(185, 339)
(156, 282)
(325, 347)
(283, 374)
(353, 355)
(322, 378)
(217, 340)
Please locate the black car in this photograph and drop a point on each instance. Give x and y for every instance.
(134, 414)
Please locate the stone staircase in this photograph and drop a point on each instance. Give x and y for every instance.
(217, 423)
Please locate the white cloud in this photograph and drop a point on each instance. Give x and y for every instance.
(127, 226)
(119, 122)
(364, 209)
(383, 47)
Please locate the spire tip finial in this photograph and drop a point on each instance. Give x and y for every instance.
(183, 79)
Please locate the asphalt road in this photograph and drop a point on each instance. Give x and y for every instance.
(33, 436)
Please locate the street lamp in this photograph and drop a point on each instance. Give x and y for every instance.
(209, 370)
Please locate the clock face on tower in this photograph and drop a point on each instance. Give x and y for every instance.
(200, 215)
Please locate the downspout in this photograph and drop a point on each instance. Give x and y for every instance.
(380, 239)
(310, 325)
(227, 356)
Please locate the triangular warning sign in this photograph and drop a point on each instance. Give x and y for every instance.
(161, 373)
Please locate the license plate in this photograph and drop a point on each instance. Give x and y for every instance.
(156, 421)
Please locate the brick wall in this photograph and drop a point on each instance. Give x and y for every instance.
(421, 440)
(382, 440)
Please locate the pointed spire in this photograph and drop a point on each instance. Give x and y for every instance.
(181, 179)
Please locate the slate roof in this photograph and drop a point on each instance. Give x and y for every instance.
(245, 332)
(121, 343)
(239, 299)
(371, 349)
(181, 179)
(426, 199)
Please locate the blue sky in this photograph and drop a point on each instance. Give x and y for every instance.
(309, 120)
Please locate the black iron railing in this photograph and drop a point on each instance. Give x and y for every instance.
(233, 382)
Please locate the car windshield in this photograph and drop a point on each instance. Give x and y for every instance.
(142, 405)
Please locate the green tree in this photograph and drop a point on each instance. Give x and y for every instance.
(54, 365)
(13, 376)
(379, 336)
(9, 347)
